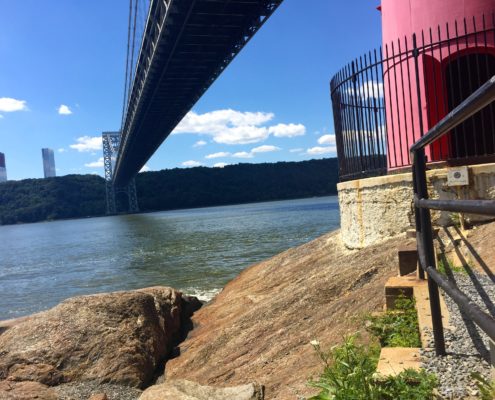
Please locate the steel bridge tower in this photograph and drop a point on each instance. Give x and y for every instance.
(111, 143)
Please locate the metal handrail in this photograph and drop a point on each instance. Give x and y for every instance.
(481, 98)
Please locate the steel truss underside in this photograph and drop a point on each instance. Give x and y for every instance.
(187, 44)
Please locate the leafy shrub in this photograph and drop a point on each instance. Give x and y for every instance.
(399, 327)
(349, 373)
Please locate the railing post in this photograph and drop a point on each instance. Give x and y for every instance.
(354, 96)
(427, 250)
(415, 54)
(424, 235)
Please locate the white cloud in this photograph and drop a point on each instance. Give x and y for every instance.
(145, 169)
(298, 150)
(287, 130)
(61, 150)
(8, 104)
(199, 143)
(191, 163)
(95, 164)
(217, 155)
(327, 140)
(243, 154)
(87, 144)
(321, 150)
(264, 149)
(368, 90)
(64, 110)
(236, 127)
(220, 165)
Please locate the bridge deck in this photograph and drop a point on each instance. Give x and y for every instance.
(186, 46)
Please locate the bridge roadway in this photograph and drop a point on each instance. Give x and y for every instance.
(186, 45)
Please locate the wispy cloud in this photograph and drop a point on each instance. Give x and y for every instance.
(235, 127)
(87, 144)
(64, 110)
(217, 155)
(61, 150)
(95, 164)
(321, 150)
(327, 140)
(297, 150)
(199, 143)
(265, 149)
(243, 154)
(191, 163)
(7, 104)
(287, 130)
(220, 165)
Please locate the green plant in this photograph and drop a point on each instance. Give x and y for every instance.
(399, 327)
(455, 218)
(486, 388)
(349, 373)
(444, 266)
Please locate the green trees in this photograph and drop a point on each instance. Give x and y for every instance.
(76, 196)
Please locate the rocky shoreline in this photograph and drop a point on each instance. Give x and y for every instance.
(251, 342)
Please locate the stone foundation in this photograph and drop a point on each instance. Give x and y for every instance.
(375, 209)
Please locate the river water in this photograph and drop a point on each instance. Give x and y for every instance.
(197, 251)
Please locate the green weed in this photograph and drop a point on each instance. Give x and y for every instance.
(444, 266)
(349, 373)
(397, 328)
(486, 388)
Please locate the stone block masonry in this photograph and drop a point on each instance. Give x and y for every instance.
(375, 209)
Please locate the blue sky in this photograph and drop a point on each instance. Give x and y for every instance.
(62, 80)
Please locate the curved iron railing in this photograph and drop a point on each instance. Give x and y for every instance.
(375, 99)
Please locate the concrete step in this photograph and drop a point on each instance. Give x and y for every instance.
(394, 360)
(411, 286)
(408, 260)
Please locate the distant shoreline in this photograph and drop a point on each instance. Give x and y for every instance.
(169, 210)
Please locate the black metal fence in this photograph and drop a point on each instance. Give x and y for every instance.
(385, 100)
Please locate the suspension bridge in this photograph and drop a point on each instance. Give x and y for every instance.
(175, 50)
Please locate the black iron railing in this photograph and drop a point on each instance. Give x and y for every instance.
(375, 99)
(472, 106)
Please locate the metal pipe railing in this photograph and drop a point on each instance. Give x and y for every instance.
(481, 98)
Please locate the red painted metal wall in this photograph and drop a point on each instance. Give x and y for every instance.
(401, 19)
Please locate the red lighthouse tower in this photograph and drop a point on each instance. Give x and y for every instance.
(454, 50)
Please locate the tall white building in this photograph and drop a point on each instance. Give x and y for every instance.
(3, 170)
(48, 163)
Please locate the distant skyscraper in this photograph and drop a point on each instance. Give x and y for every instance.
(3, 170)
(48, 163)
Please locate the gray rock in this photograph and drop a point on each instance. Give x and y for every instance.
(186, 390)
(121, 337)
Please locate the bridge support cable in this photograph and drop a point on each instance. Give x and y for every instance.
(111, 143)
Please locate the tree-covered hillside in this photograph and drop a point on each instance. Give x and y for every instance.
(76, 196)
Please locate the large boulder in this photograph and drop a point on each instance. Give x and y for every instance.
(186, 390)
(119, 337)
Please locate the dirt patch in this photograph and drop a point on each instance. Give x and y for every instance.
(259, 327)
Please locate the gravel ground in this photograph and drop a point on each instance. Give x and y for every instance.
(83, 391)
(467, 345)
